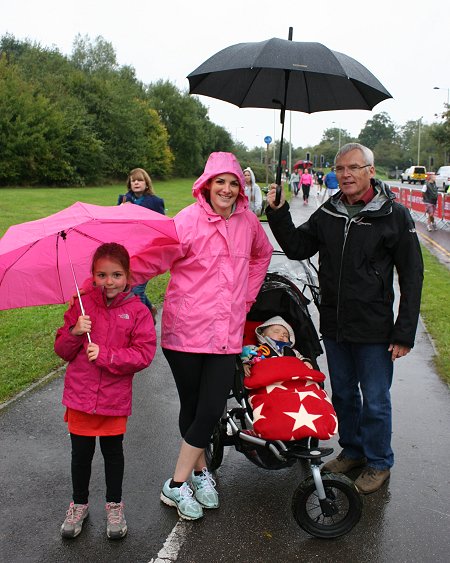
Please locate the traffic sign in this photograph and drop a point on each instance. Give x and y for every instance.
(267, 140)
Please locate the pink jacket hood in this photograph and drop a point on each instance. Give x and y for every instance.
(219, 163)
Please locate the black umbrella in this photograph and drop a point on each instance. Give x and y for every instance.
(287, 75)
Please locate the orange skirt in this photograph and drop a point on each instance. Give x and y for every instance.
(84, 424)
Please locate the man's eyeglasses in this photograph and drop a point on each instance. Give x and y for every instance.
(353, 169)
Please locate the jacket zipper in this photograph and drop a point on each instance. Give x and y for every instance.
(346, 229)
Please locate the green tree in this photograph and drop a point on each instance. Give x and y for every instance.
(77, 155)
(379, 128)
(39, 140)
(441, 134)
(93, 56)
(122, 117)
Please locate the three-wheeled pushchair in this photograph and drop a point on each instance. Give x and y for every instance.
(325, 505)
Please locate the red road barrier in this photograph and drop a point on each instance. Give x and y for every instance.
(412, 199)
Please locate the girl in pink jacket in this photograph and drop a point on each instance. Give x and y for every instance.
(216, 272)
(98, 381)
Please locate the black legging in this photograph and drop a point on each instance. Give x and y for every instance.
(203, 382)
(305, 189)
(83, 448)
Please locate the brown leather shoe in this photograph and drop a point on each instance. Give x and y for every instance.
(371, 480)
(343, 464)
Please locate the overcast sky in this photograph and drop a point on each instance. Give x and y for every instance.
(404, 43)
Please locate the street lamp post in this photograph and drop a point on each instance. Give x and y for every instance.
(419, 122)
(236, 136)
(339, 134)
(261, 147)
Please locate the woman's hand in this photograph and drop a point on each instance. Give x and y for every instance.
(272, 195)
(92, 351)
(83, 325)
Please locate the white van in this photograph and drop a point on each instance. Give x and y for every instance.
(442, 178)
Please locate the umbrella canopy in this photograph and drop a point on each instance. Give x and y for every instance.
(302, 164)
(36, 258)
(288, 75)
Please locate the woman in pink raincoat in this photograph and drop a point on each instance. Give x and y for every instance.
(216, 272)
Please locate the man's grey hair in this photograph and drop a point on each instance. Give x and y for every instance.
(366, 152)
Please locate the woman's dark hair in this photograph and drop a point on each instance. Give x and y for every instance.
(115, 252)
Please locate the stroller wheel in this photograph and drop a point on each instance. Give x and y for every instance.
(214, 450)
(331, 518)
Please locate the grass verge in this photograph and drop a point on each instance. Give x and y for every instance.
(435, 310)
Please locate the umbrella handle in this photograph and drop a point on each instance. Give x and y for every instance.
(81, 305)
(277, 196)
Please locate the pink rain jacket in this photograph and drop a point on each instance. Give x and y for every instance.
(126, 335)
(216, 270)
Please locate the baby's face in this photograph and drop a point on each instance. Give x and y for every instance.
(276, 332)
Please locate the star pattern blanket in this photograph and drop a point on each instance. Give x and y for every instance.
(288, 402)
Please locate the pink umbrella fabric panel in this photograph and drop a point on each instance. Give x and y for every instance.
(35, 257)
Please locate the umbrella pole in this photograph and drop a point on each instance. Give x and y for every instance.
(287, 74)
(63, 236)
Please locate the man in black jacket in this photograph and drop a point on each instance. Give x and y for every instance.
(361, 234)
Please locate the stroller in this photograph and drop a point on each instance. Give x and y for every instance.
(324, 505)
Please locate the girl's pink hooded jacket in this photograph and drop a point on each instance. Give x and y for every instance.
(126, 335)
(216, 270)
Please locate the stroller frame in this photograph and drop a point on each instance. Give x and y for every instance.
(325, 505)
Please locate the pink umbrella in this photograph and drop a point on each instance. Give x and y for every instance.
(41, 261)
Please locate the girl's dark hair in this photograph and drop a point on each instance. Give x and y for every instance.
(115, 252)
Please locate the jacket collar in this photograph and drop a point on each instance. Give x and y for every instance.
(100, 297)
(380, 204)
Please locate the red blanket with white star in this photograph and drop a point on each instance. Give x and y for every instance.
(288, 402)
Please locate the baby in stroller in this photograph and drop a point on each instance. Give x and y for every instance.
(284, 391)
(276, 338)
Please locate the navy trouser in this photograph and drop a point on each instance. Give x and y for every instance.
(361, 378)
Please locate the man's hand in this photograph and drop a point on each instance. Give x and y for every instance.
(83, 325)
(92, 351)
(272, 195)
(398, 351)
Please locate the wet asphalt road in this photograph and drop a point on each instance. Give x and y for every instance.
(407, 521)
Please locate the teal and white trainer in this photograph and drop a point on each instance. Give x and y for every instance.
(183, 499)
(204, 489)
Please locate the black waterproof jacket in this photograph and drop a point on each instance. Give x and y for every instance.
(356, 266)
